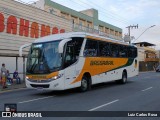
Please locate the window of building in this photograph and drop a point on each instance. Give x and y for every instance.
(116, 33)
(73, 21)
(64, 15)
(80, 23)
(120, 34)
(101, 28)
(52, 11)
(88, 25)
(106, 30)
(111, 32)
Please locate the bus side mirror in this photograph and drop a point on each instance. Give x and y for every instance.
(61, 45)
(22, 47)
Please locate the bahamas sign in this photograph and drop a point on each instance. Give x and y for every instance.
(23, 27)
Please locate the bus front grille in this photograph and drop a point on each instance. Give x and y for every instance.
(42, 86)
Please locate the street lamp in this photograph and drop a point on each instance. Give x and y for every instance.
(144, 32)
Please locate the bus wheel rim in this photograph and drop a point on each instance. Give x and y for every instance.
(124, 78)
(84, 84)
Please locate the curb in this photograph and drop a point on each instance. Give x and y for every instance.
(10, 90)
(146, 71)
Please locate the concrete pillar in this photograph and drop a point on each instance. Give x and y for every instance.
(17, 63)
(24, 72)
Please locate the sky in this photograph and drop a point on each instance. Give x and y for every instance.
(123, 13)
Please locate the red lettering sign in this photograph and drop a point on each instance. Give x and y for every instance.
(54, 30)
(34, 30)
(12, 25)
(24, 28)
(2, 26)
(62, 31)
(45, 30)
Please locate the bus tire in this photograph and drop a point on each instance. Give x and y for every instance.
(85, 84)
(124, 78)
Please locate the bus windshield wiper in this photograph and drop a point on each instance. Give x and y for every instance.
(54, 68)
(34, 65)
(36, 59)
(45, 62)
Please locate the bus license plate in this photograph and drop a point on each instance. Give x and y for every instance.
(40, 88)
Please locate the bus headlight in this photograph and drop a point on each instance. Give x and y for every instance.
(46, 80)
(27, 78)
(57, 77)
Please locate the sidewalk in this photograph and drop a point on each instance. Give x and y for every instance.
(13, 86)
(146, 71)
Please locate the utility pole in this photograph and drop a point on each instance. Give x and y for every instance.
(144, 32)
(129, 30)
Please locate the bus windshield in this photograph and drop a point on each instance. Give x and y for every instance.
(44, 58)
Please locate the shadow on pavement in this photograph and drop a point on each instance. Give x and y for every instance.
(77, 91)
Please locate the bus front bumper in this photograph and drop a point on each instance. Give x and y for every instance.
(53, 85)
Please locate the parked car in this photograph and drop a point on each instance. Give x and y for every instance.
(158, 68)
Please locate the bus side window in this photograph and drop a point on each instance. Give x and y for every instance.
(91, 48)
(104, 49)
(123, 51)
(114, 50)
(72, 51)
(77, 46)
(132, 52)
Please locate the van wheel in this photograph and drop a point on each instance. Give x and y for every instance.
(85, 84)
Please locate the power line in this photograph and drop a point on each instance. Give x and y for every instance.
(46, 16)
(110, 15)
(144, 32)
(104, 11)
(26, 11)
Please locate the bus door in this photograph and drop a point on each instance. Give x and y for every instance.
(69, 65)
(72, 51)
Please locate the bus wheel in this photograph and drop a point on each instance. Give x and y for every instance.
(85, 84)
(124, 78)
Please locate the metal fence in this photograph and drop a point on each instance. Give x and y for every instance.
(80, 28)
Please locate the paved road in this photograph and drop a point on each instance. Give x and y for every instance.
(141, 93)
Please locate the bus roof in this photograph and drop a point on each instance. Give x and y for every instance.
(60, 36)
(77, 34)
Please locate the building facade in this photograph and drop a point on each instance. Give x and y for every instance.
(23, 23)
(86, 20)
(148, 57)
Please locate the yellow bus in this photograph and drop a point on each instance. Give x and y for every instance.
(78, 59)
